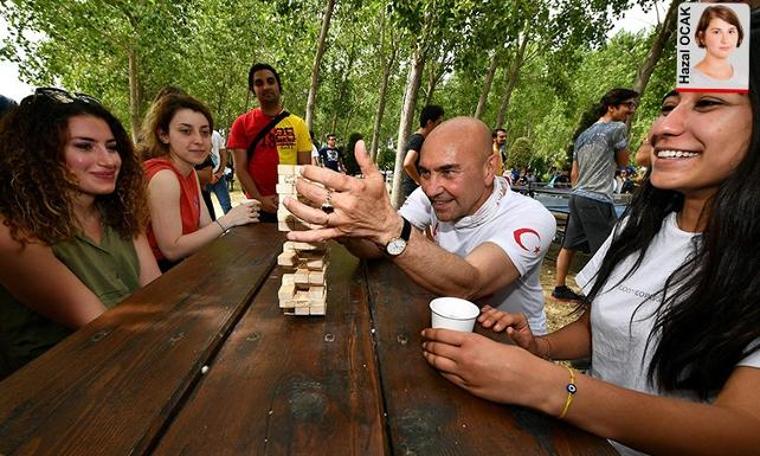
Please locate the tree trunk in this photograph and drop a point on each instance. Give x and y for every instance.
(512, 76)
(317, 61)
(405, 123)
(486, 86)
(135, 97)
(431, 85)
(380, 108)
(663, 35)
(388, 65)
(343, 88)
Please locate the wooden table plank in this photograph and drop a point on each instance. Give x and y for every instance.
(429, 415)
(290, 384)
(110, 387)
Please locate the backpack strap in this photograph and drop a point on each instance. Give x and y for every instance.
(263, 132)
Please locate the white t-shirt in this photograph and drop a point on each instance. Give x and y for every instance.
(217, 143)
(520, 226)
(618, 355)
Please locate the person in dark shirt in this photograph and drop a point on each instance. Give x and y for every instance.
(329, 156)
(430, 117)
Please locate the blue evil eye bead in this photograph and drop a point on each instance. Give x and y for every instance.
(571, 388)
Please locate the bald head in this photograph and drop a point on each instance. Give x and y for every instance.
(466, 134)
(457, 167)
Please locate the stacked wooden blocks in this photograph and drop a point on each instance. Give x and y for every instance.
(304, 288)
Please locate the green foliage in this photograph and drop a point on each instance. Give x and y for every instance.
(207, 47)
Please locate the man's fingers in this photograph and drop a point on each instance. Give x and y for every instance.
(319, 235)
(310, 191)
(362, 159)
(306, 213)
(337, 181)
(444, 335)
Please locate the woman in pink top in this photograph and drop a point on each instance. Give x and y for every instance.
(177, 136)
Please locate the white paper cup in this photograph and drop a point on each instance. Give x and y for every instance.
(453, 313)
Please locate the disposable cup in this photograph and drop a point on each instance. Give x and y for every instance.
(453, 313)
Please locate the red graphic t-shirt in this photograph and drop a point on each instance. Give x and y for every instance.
(281, 145)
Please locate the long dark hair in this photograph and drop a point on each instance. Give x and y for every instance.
(36, 198)
(709, 315)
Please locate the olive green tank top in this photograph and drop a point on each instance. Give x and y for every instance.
(111, 270)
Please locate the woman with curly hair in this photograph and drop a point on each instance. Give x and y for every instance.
(72, 213)
(177, 136)
(672, 322)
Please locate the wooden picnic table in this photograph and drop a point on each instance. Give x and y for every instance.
(202, 361)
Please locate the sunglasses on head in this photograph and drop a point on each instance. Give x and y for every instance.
(63, 96)
(630, 104)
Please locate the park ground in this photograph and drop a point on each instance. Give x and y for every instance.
(558, 314)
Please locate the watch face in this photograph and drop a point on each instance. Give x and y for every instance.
(395, 247)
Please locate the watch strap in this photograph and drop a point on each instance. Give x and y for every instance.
(406, 231)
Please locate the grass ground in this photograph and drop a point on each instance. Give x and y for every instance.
(558, 314)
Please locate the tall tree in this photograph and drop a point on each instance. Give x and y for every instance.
(416, 68)
(321, 43)
(488, 80)
(662, 34)
(388, 49)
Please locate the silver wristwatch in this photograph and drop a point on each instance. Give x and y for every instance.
(397, 245)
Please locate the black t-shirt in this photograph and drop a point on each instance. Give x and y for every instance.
(330, 157)
(413, 143)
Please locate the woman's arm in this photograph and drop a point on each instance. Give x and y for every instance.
(149, 270)
(166, 219)
(205, 216)
(37, 279)
(570, 342)
(653, 424)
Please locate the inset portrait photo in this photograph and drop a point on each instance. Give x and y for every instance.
(713, 47)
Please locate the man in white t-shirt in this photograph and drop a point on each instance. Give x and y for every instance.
(218, 184)
(486, 242)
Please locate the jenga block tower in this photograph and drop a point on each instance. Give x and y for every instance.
(304, 288)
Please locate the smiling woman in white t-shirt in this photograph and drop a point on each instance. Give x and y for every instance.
(673, 327)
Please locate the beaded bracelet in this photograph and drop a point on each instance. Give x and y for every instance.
(571, 390)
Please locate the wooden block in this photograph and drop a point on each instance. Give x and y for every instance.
(283, 214)
(285, 189)
(286, 169)
(314, 264)
(301, 299)
(316, 293)
(287, 258)
(316, 278)
(288, 179)
(308, 246)
(302, 278)
(283, 226)
(317, 310)
(302, 310)
(285, 294)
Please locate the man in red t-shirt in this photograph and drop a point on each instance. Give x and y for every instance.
(288, 142)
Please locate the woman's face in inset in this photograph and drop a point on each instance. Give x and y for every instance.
(699, 140)
(720, 38)
(91, 155)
